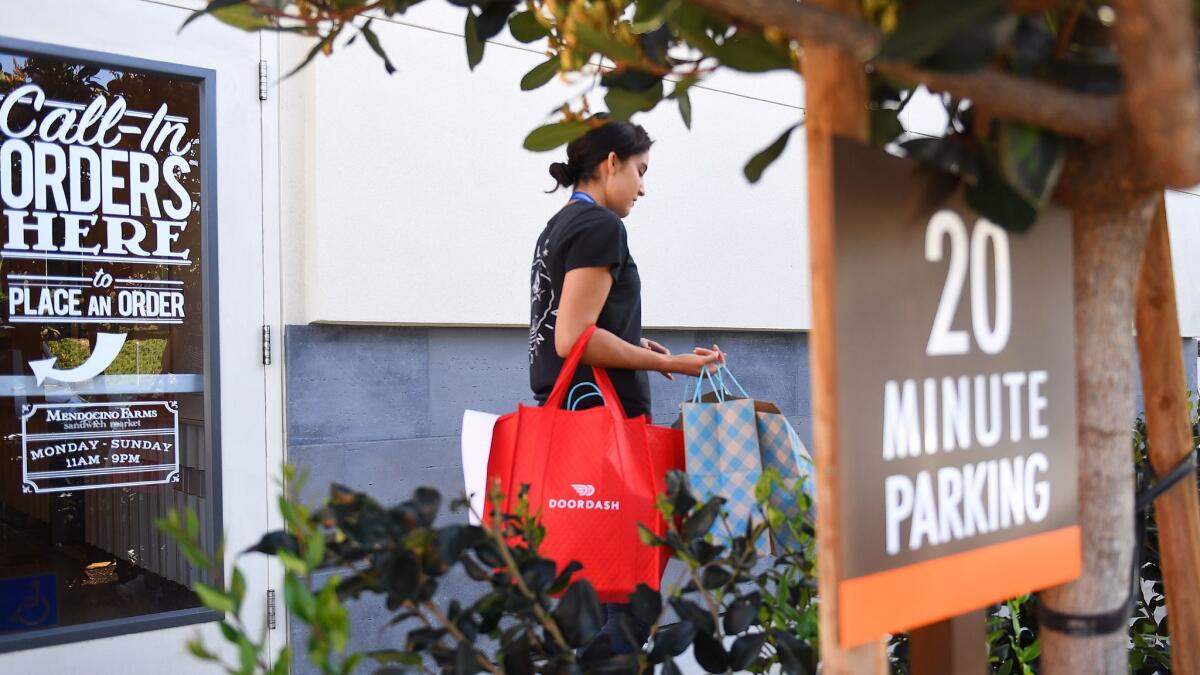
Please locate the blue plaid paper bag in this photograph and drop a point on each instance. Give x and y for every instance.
(720, 441)
(782, 450)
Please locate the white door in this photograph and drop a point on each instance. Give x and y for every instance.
(107, 424)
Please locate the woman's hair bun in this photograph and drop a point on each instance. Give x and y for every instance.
(584, 154)
(561, 172)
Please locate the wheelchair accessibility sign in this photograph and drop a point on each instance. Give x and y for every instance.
(28, 602)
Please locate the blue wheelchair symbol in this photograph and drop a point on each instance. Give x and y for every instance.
(28, 602)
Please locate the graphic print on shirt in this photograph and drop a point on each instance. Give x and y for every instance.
(541, 301)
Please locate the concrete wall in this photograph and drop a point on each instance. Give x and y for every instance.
(379, 409)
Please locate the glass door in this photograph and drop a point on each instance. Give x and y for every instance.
(129, 383)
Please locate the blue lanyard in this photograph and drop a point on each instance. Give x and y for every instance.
(583, 197)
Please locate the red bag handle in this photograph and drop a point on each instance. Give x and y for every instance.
(563, 383)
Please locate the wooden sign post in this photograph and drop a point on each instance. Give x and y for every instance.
(1169, 440)
(954, 390)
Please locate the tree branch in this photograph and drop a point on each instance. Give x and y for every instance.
(1157, 45)
(1089, 117)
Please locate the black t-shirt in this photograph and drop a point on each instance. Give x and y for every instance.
(585, 235)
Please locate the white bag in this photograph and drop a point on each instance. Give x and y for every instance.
(477, 428)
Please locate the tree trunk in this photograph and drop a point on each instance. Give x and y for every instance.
(1108, 245)
(1169, 438)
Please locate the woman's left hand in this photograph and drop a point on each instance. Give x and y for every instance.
(658, 349)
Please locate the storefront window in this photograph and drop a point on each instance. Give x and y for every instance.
(103, 380)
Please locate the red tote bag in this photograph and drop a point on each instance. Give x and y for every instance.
(594, 475)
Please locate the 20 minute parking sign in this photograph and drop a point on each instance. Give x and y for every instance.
(956, 399)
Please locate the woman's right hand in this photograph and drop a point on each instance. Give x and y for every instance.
(700, 358)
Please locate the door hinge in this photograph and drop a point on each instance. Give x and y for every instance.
(262, 80)
(271, 608)
(266, 345)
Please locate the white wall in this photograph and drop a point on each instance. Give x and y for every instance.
(417, 204)
(1183, 220)
(409, 200)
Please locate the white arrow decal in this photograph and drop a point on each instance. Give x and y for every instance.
(108, 345)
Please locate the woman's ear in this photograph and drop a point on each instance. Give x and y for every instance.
(612, 162)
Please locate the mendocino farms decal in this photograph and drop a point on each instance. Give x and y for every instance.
(82, 445)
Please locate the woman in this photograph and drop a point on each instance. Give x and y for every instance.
(584, 274)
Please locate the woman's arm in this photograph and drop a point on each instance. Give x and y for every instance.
(584, 291)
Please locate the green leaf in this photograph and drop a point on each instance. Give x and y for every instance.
(196, 648)
(645, 604)
(312, 54)
(691, 23)
(976, 46)
(474, 43)
(194, 555)
(395, 656)
(551, 136)
(651, 14)
(1030, 160)
(333, 616)
(998, 201)
(298, 599)
(578, 613)
(493, 18)
(1034, 650)
(283, 662)
(685, 109)
(373, 41)
(674, 639)
(758, 163)
(243, 17)
(352, 662)
(211, 7)
(623, 103)
(598, 41)
(292, 563)
(192, 524)
(753, 53)
(314, 554)
(681, 96)
(699, 523)
(248, 653)
(237, 588)
(741, 613)
(745, 650)
(648, 537)
(525, 27)
(214, 599)
(885, 125)
(710, 654)
(930, 24)
(540, 74)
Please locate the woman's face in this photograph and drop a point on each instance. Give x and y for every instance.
(625, 181)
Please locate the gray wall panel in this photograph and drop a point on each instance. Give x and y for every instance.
(379, 409)
(323, 464)
(389, 471)
(356, 383)
(485, 369)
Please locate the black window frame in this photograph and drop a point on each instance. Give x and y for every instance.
(206, 78)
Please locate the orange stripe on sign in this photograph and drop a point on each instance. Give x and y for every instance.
(875, 605)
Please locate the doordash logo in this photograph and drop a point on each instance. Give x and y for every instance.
(585, 490)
